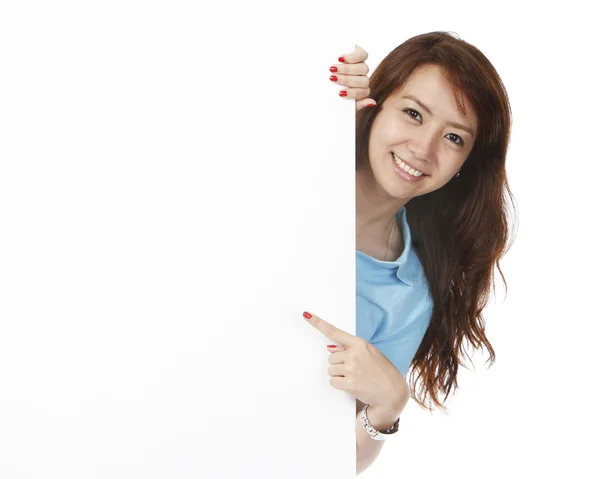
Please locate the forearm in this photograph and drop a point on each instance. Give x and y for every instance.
(367, 449)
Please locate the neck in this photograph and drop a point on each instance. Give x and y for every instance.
(374, 207)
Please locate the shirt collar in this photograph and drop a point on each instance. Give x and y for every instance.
(410, 270)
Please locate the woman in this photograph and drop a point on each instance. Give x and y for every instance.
(431, 225)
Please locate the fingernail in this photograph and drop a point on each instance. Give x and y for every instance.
(371, 104)
(343, 93)
(333, 69)
(333, 78)
(331, 346)
(341, 59)
(307, 315)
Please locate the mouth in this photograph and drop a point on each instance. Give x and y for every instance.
(407, 171)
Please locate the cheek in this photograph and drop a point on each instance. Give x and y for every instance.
(390, 131)
(450, 163)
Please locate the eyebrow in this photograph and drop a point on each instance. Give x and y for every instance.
(427, 109)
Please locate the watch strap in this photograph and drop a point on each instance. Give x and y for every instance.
(378, 435)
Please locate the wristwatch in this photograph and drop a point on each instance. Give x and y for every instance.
(374, 433)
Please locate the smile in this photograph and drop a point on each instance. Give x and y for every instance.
(406, 171)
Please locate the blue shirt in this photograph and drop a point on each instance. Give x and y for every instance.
(393, 304)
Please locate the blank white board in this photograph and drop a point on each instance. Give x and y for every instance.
(176, 188)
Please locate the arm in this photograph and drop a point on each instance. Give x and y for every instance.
(368, 449)
(360, 369)
(401, 351)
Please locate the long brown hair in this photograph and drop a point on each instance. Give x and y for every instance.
(461, 230)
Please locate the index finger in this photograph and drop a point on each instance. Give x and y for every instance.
(330, 330)
(358, 56)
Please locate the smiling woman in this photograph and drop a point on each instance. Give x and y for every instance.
(432, 222)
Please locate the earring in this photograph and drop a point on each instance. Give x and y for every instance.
(457, 174)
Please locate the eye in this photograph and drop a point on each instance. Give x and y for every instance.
(458, 140)
(415, 116)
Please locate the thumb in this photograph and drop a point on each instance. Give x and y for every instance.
(334, 348)
(365, 102)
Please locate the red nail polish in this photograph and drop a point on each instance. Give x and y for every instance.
(333, 78)
(307, 315)
(343, 93)
(371, 104)
(333, 69)
(341, 59)
(331, 346)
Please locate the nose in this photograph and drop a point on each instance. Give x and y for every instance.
(423, 145)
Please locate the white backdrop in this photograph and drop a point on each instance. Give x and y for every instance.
(176, 188)
(533, 413)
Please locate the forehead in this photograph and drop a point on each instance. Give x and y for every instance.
(429, 84)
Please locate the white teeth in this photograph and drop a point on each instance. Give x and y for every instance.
(405, 167)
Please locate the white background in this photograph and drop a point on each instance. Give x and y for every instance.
(176, 188)
(141, 147)
(534, 413)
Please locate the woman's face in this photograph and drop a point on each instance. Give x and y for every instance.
(420, 128)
